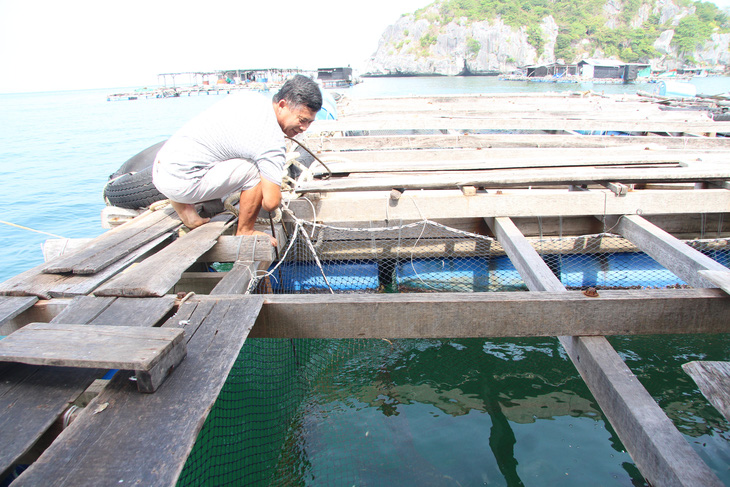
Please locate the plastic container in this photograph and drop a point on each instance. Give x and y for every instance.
(676, 89)
(329, 106)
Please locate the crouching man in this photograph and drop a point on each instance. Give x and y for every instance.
(236, 145)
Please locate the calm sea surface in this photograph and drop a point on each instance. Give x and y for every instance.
(57, 150)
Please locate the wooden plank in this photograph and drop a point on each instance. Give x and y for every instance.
(144, 439)
(157, 274)
(718, 277)
(439, 205)
(151, 352)
(510, 123)
(660, 451)
(10, 307)
(511, 314)
(673, 254)
(230, 249)
(34, 282)
(117, 243)
(237, 280)
(350, 144)
(33, 397)
(713, 379)
(101, 346)
(471, 160)
(509, 178)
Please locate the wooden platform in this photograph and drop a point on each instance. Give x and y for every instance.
(513, 167)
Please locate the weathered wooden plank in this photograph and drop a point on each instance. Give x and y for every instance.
(660, 451)
(502, 178)
(713, 379)
(351, 144)
(157, 274)
(509, 123)
(718, 277)
(100, 346)
(231, 249)
(675, 255)
(144, 439)
(441, 315)
(471, 160)
(34, 282)
(32, 397)
(117, 243)
(10, 307)
(439, 205)
(237, 280)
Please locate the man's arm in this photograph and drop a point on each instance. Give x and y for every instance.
(271, 195)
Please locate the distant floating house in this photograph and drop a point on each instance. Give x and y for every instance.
(611, 69)
(555, 70)
(335, 77)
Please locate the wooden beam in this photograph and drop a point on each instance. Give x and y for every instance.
(713, 379)
(231, 249)
(719, 278)
(439, 205)
(10, 307)
(461, 315)
(673, 254)
(237, 280)
(660, 451)
(483, 141)
(508, 122)
(505, 178)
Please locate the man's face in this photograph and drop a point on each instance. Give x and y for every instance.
(293, 121)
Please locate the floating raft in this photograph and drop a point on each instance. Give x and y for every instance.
(513, 167)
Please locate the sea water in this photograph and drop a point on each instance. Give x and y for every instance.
(57, 150)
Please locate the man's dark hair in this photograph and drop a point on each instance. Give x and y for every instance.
(300, 90)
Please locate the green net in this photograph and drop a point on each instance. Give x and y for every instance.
(419, 412)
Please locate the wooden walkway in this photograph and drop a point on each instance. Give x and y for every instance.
(513, 167)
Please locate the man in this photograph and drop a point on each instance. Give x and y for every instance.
(236, 145)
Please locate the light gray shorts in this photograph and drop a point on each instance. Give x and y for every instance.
(219, 180)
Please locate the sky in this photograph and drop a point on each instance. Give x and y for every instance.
(78, 44)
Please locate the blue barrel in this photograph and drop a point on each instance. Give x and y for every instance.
(467, 274)
(621, 270)
(341, 276)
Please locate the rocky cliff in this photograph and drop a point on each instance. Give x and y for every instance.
(422, 44)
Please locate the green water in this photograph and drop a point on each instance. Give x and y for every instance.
(440, 412)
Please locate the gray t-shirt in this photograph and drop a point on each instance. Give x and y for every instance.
(241, 126)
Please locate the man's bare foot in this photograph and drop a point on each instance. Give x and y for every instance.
(189, 215)
(256, 232)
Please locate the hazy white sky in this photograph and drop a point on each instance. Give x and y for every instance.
(52, 44)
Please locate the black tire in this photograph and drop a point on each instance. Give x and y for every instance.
(139, 161)
(134, 190)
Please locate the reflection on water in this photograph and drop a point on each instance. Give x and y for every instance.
(440, 412)
(433, 412)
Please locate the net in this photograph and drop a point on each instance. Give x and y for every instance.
(356, 412)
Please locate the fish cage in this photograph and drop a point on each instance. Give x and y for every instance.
(358, 411)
